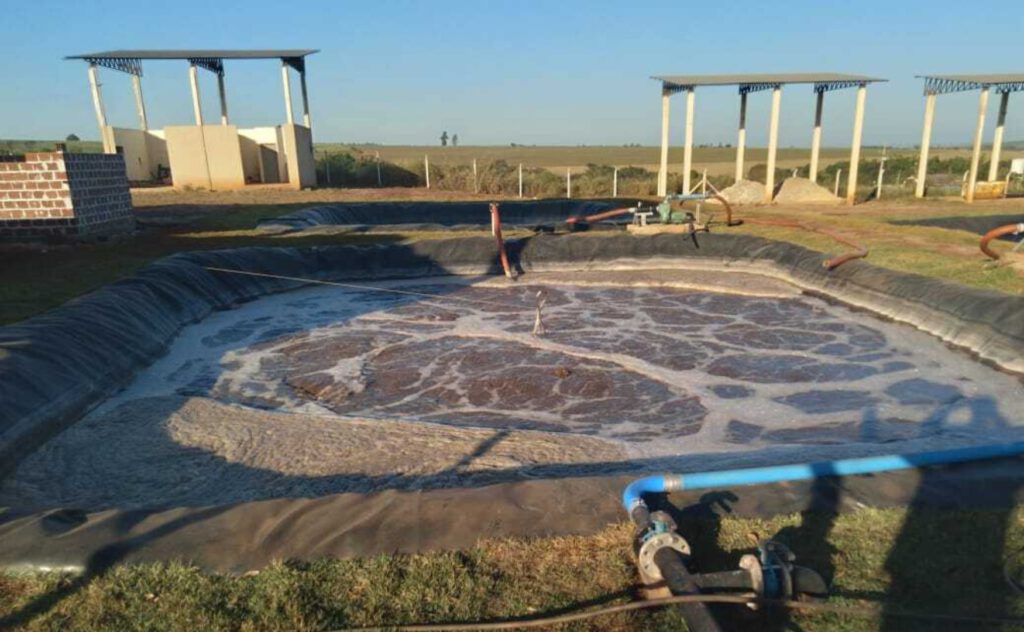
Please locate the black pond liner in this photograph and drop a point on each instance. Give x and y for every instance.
(57, 366)
(434, 215)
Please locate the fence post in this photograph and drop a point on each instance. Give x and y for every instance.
(568, 182)
(327, 165)
(476, 183)
(426, 169)
(839, 174)
(520, 179)
(615, 182)
(380, 181)
(881, 175)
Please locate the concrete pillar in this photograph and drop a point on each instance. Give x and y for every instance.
(858, 131)
(816, 136)
(663, 168)
(926, 141)
(979, 129)
(140, 105)
(688, 146)
(97, 102)
(305, 101)
(997, 137)
(223, 99)
(193, 78)
(286, 81)
(773, 143)
(741, 137)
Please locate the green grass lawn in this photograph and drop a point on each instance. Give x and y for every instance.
(922, 562)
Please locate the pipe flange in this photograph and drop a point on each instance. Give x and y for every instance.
(649, 571)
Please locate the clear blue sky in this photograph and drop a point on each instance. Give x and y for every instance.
(560, 72)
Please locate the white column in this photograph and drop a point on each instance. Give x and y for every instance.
(520, 177)
(926, 141)
(193, 79)
(741, 137)
(858, 131)
(568, 182)
(305, 100)
(666, 95)
(688, 146)
(140, 105)
(997, 137)
(816, 136)
(773, 144)
(286, 81)
(223, 99)
(979, 129)
(97, 102)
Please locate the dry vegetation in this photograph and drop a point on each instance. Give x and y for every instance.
(935, 562)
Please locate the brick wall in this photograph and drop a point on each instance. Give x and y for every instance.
(58, 194)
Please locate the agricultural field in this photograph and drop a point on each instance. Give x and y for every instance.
(717, 160)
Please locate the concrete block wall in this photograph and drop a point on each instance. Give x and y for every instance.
(59, 194)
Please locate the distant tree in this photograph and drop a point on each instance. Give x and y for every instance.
(72, 138)
(444, 139)
(455, 140)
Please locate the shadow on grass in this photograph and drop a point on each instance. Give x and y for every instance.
(947, 558)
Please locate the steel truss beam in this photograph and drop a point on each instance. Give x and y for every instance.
(214, 65)
(936, 85)
(747, 88)
(122, 64)
(837, 85)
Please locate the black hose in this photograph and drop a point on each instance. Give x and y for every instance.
(673, 569)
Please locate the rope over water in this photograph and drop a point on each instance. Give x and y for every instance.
(371, 288)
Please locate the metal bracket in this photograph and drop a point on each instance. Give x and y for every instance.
(649, 571)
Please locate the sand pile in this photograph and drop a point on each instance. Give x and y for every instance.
(744, 192)
(803, 191)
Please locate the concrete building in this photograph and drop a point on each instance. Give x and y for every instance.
(935, 85)
(748, 83)
(208, 156)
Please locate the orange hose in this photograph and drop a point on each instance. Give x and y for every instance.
(859, 251)
(596, 217)
(496, 229)
(1009, 229)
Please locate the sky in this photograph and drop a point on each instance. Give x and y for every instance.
(566, 72)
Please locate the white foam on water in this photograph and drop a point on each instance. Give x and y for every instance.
(848, 381)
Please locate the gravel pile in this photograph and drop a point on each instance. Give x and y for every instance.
(744, 192)
(803, 191)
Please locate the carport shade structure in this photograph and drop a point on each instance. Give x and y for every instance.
(945, 84)
(130, 61)
(822, 81)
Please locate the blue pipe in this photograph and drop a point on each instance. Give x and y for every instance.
(632, 496)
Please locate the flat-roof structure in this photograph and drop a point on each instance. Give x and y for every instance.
(822, 81)
(204, 155)
(202, 53)
(944, 84)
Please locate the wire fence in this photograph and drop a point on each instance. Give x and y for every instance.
(887, 178)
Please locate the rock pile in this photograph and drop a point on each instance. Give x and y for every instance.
(744, 192)
(803, 191)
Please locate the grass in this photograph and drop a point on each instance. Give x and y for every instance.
(939, 562)
(940, 566)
